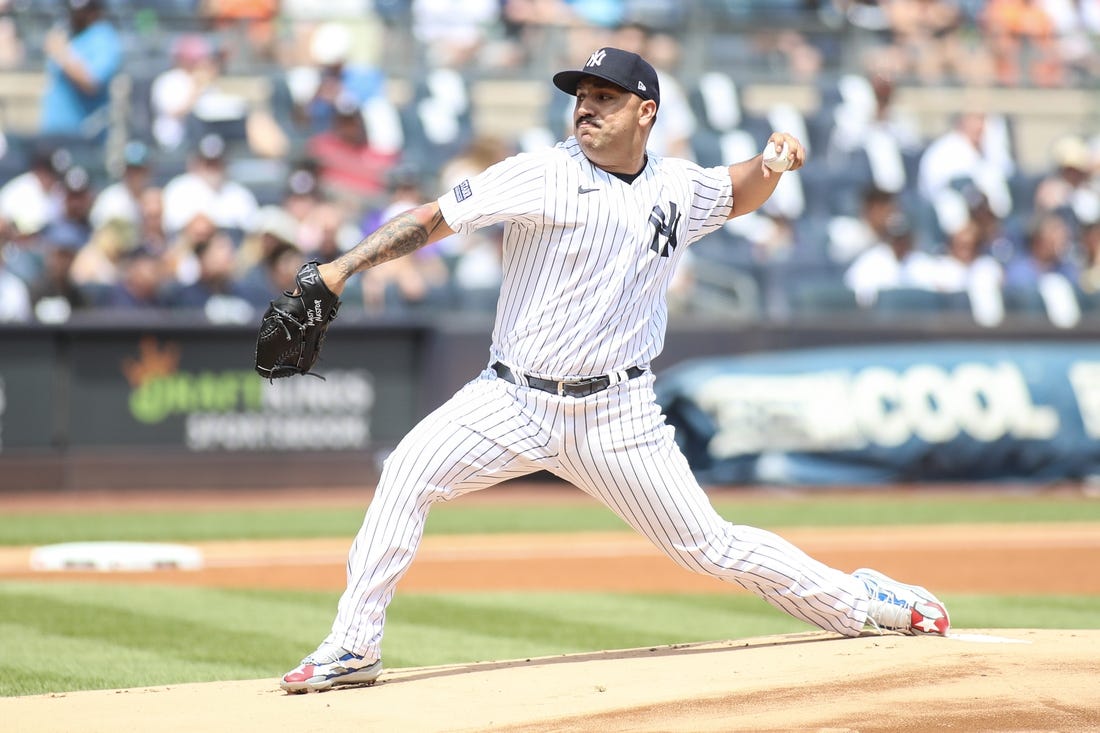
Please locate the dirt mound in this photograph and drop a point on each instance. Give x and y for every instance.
(1015, 680)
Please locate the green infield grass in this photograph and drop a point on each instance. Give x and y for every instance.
(68, 636)
(798, 510)
(62, 636)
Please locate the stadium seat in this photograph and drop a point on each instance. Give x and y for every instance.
(790, 285)
(716, 101)
(437, 123)
(669, 17)
(822, 296)
(167, 164)
(706, 147)
(843, 180)
(788, 118)
(1090, 305)
(383, 124)
(918, 303)
(233, 130)
(1027, 302)
(724, 247)
(13, 157)
(1022, 185)
(819, 128)
(281, 105)
(812, 235)
(139, 119)
(724, 290)
(266, 178)
(1052, 302)
(393, 12)
(84, 152)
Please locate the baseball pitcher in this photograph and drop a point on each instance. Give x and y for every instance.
(594, 228)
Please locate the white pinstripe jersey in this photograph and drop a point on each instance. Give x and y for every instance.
(588, 258)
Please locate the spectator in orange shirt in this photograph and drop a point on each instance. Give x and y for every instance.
(1021, 36)
(926, 39)
(257, 15)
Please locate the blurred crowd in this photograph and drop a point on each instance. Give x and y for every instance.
(1048, 43)
(188, 191)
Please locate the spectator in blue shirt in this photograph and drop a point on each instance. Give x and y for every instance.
(79, 70)
(1048, 252)
(140, 284)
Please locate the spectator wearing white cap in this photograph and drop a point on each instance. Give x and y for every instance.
(205, 189)
(1069, 187)
(333, 74)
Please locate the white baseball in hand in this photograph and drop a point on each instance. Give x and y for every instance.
(776, 160)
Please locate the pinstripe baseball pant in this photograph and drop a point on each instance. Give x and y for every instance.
(615, 446)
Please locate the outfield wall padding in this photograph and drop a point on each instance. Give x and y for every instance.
(147, 402)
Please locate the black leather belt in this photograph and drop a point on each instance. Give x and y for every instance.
(572, 388)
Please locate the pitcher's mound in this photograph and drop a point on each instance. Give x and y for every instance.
(1015, 679)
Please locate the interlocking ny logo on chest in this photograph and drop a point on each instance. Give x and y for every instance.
(664, 229)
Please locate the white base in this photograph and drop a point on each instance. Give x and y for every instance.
(116, 556)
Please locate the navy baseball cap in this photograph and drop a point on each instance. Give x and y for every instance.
(136, 154)
(622, 68)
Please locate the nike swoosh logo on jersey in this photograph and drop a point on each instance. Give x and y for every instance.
(582, 189)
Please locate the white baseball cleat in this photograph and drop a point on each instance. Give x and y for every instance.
(909, 609)
(331, 665)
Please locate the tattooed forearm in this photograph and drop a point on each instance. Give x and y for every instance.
(399, 236)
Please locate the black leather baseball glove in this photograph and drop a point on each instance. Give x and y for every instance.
(294, 326)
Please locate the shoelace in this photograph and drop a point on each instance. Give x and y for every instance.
(326, 654)
(885, 615)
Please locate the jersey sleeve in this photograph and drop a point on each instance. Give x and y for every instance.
(512, 190)
(712, 200)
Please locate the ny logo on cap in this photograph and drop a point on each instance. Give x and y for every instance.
(596, 58)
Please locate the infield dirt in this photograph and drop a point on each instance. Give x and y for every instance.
(988, 680)
(977, 680)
